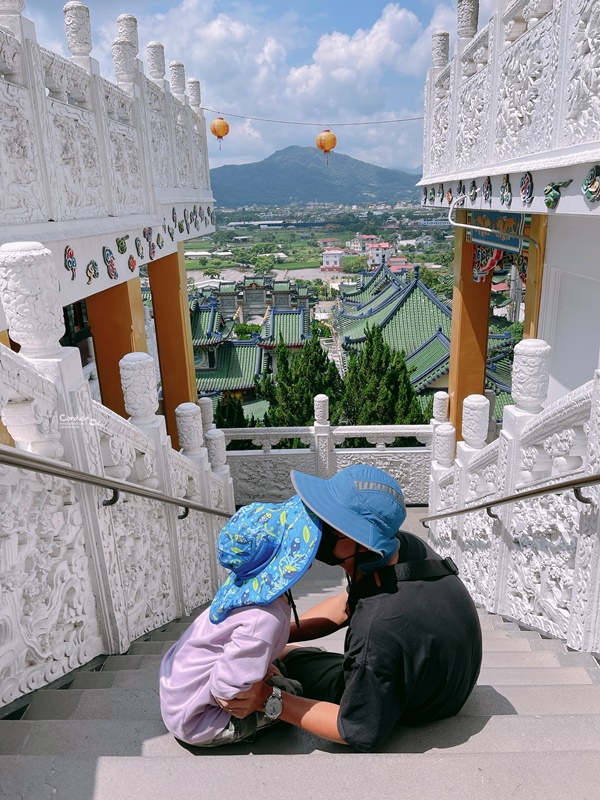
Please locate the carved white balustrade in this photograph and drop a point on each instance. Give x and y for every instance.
(536, 561)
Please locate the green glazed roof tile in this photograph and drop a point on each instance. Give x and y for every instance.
(236, 368)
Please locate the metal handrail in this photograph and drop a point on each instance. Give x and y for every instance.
(575, 485)
(22, 460)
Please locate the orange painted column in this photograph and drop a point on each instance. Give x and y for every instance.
(535, 270)
(168, 282)
(470, 324)
(5, 437)
(116, 319)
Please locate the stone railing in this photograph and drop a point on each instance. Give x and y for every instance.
(265, 474)
(77, 146)
(536, 560)
(79, 578)
(519, 95)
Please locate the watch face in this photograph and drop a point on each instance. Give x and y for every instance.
(273, 706)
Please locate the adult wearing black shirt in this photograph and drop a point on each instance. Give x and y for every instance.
(413, 647)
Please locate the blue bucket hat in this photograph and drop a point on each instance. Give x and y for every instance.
(267, 547)
(362, 502)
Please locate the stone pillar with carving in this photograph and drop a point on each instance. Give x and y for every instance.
(206, 408)
(155, 56)
(444, 448)
(440, 49)
(199, 125)
(29, 289)
(11, 17)
(138, 380)
(221, 491)
(467, 19)
(530, 378)
(177, 74)
(324, 452)
(441, 404)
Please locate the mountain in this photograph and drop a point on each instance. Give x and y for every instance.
(302, 175)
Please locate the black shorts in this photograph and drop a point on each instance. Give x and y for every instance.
(320, 673)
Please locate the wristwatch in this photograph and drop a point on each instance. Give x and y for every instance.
(274, 704)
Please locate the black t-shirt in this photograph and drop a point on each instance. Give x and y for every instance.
(412, 653)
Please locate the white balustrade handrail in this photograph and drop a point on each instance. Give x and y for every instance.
(21, 460)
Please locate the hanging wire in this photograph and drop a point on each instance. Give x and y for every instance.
(317, 124)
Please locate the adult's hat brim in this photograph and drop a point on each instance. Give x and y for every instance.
(320, 495)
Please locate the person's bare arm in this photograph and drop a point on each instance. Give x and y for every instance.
(321, 620)
(314, 716)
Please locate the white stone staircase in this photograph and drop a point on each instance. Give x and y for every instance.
(530, 729)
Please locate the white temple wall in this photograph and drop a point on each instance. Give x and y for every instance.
(571, 302)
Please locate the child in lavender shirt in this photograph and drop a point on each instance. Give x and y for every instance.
(233, 643)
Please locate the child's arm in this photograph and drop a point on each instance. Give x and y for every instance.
(322, 619)
(244, 661)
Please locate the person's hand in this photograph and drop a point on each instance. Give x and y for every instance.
(271, 672)
(245, 703)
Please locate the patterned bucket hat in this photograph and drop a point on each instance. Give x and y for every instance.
(267, 547)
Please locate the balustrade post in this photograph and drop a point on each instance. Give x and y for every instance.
(29, 290)
(177, 74)
(217, 455)
(444, 448)
(138, 381)
(206, 408)
(324, 454)
(530, 378)
(441, 404)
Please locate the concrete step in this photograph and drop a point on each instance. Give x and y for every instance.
(462, 734)
(518, 660)
(143, 704)
(550, 776)
(131, 662)
(534, 676)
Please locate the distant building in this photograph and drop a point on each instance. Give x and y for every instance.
(329, 242)
(332, 260)
(378, 251)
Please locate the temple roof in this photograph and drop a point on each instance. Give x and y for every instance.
(293, 325)
(238, 364)
(208, 325)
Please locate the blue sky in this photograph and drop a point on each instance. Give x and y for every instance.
(322, 61)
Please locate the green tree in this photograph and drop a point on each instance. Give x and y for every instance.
(263, 265)
(244, 331)
(377, 388)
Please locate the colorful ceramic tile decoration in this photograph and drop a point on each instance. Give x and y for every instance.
(432, 195)
(552, 192)
(460, 192)
(92, 272)
(423, 195)
(151, 250)
(164, 224)
(208, 212)
(440, 192)
(591, 185)
(197, 223)
(180, 226)
(186, 219)
(171, 230)
(485, 261)
(526, 187)
(473, 192)
(109, 260)
(122, 244)
(174, 216)
(139, 247)
(131, 263)
(449, 195)
(213, 218)
(201, 210)
(160, 241)
(506, 191)
(486, 190)
(70, 262)
(147, 234)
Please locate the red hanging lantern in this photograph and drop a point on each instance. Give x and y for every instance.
(326, 141)
(219, 128)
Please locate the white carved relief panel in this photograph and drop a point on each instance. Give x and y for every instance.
(48, 622)
(183, 153)
(193, 533)
(126, 165)
(75, 144)
(476, 554)
(201, 161)
(473, 120)
(441, 151)
(526, 91)
(159, 150)
(410, 469)
(544, 533)
(267, 477)
(21, 199)
(581, 117)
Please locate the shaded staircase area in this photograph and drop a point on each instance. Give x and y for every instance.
(531, 729)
